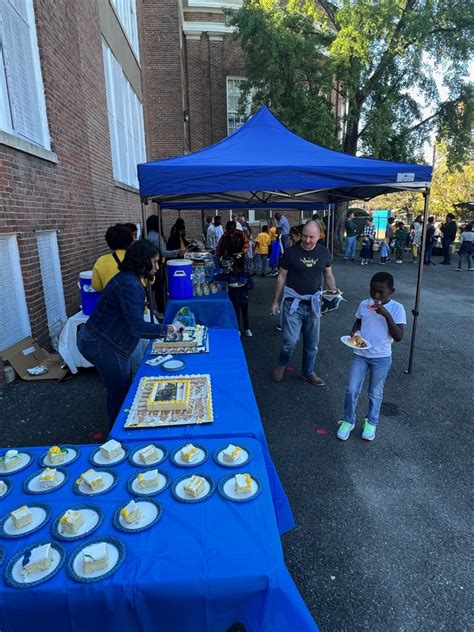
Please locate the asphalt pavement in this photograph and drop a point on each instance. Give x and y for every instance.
(384, 529)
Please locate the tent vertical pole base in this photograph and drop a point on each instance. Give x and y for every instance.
(419, 281)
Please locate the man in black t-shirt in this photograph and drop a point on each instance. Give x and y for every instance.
(302, 269)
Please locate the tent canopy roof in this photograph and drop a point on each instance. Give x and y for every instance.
(263, 163)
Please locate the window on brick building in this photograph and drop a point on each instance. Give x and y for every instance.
(126, 11)
(127, 135)
(14, 320)
(22, 103)
(50, 266)
(234, 118)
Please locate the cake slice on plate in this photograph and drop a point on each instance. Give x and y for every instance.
(95, 557)
(243, 483)
(38, 559)
(148, 479)
(9, 461)
(21, 517)
(71, 521)
(148, 454)
(92, 480)
(231, 453)
(3, 488)
(189, 453)
(48, 478)
(111, 449)
(57, 455)
(131, 513)
(194, 486)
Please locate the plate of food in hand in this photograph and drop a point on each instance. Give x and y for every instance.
(355, 342)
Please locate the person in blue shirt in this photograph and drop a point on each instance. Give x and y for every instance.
(109, 337)
(239, 282)
(282, 223)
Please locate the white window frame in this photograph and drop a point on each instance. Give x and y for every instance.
(126, 12)
(52, 288)
(15, 281)
(238, 124)
(126, 127)
(43, 138)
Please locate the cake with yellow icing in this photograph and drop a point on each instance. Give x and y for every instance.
(169, 395)
(243, 483)
(92, 480)
(148, 479)
(189, 453)
(231, 453)
(57, 455)
(71, 522)
(131, 512)
(194, 486)
(48, 478)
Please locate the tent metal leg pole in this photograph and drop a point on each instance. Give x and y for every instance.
(143, 203)
(419, 281)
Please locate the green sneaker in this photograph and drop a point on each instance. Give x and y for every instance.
(344, 430)
(368, 433)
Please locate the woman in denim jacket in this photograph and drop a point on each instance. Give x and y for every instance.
(113, 330)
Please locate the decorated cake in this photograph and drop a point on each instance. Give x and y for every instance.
(131, 513)
(3, 487)
(190, 340)
(95, 557)
(189, 453)
(231, 453)
(194, 486)
(57, 455)
(169, 395)
(9, 461)
(92, 480)
(148, 479)
(21, 517)
(111, 449)
(38, 559)
(159, 402)
(148, 454)
(71, 521)
(48, 478)
(243, 483)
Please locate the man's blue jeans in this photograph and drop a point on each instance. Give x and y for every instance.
(378, 369)
(350, 249)
(261, 263)
(302, 320)
(113, 369)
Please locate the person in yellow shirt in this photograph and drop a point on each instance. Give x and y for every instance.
(262, 245)
(118, 239)
(273, 231)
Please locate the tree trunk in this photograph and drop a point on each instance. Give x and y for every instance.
(340, 218)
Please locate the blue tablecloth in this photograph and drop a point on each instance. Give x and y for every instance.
(235, 409)
(201, 568)
(214, 310)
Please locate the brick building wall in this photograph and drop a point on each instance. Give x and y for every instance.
(76, 196)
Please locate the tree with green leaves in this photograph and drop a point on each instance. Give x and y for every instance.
(399, 68)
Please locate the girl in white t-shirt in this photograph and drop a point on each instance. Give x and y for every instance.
(379, 321)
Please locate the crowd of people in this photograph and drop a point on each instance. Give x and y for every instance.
(400, 238)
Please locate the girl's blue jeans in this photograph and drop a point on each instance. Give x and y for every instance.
(378, 369)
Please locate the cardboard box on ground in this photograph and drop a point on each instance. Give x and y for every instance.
(27, 354)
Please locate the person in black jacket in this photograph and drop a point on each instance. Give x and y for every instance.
(449, 230)
(177, 239)
(430, 232)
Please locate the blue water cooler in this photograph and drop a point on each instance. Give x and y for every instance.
(180, 285)
(89, 297)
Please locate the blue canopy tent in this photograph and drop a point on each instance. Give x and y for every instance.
(264, 164)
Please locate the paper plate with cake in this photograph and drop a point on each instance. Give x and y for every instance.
(96, 559)
(137, 515)
(110, 453)
(77, 522)
(13, 461)
(171, 401)
(193, 488)
(148, 482)
(34, 564)
(239, 487)
(148, 455)
(47, 480)
(6, 487)
(231, 455)
(189, 455)
(356, 342)
(95, 482)
(59, 455)
(24, 520)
